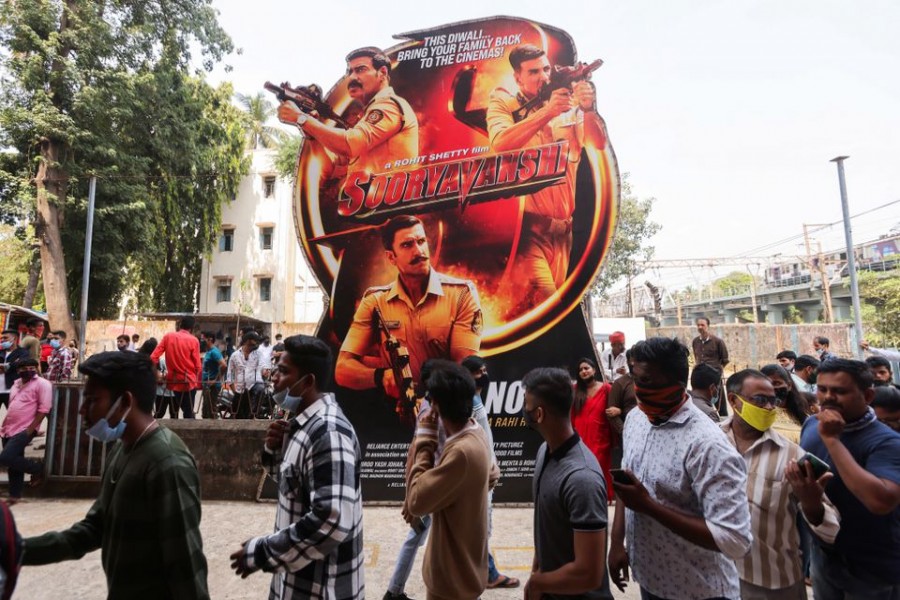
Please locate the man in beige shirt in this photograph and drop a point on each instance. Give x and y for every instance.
(777, 488)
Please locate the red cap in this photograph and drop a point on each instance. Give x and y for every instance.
(617, 337)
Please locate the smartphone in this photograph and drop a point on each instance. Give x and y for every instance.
(819, 466)
(620, 476)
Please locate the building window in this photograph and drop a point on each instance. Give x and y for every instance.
(269, 185)
(223, 290)
(226, 240)
(265, 289)
(265, 237)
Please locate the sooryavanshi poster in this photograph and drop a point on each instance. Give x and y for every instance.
(456, 194)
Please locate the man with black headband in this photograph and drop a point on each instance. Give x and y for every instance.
(687, 517)
(864, 455)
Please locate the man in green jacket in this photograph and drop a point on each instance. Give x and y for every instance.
(147, 519)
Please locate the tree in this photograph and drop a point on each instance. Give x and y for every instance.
(880, 297)
(285, 162)
(259, 111)
(736, 283)
(633, 229)
(15, 256)
(105, 89)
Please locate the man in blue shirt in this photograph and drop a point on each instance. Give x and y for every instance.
(214, 367)
(864, 455)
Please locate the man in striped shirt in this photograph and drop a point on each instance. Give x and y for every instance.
(777, 489)
(316, 551)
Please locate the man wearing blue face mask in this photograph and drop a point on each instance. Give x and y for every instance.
(317, 548)
(60, 363)
(146, 520)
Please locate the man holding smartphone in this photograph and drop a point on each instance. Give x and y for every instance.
(773, 570)
(686, 517)
(864, 454)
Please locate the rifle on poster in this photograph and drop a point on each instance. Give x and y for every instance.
(307, 99)
(407, 407)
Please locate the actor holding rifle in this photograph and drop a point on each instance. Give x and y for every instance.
(431, 315)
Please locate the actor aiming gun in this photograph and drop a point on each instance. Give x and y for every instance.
(398, 356)
(561, 78)
(307, 99)
(389, 129)
(549, 106)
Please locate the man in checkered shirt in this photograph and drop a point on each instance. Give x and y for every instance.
(316, 550)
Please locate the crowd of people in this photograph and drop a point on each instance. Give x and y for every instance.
(786, 489)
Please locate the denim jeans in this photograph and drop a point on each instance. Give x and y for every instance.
(13, 458)
(832, 580)
(407, 557)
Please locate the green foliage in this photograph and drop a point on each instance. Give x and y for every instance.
(285, 161)
(735, 283)
(112, 86)
(258, 112)
(792, 315)
(633, 229)
(15, 257)
(880, 298)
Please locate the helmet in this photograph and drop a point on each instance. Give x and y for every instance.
(226, 397)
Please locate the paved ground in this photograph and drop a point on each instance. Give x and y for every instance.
(226, 524)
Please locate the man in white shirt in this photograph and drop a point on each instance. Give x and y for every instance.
(612, 360)
(686, 517)
(243, 373)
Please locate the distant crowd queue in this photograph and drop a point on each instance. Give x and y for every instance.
(754, 487)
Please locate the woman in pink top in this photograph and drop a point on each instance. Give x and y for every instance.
(589, 416)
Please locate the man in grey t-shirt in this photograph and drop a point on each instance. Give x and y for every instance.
(569, 497)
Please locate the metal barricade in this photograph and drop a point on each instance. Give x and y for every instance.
(70, 454)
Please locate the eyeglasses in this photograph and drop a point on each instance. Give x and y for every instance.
(761, 401)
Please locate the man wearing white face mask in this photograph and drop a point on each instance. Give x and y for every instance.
(773, 569)
(317, 548)
(150, 484)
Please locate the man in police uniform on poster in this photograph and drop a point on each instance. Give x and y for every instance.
(388, 130)
(541, 262)
(431, 314)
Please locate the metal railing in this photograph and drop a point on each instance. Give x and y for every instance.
(71, 454)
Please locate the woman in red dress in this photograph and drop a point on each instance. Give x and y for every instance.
(589, 416)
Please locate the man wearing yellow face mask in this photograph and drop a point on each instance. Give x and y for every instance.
(777, 489)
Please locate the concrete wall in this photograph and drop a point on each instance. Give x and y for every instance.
(752, 345)
(227, 454)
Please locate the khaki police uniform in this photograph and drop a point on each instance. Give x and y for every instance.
(388, 131)
(446, 323)
(542, 257)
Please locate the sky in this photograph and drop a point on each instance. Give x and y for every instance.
(726, 112)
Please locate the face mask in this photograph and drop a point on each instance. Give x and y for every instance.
(758, 418)
(102, 432)
(660, 403)
(54, 344)
(288, 402)
(204, 346)
(781, 393)
(27, 375)
(714, 400)
(529, 420)
(6, 345)
(483, 381)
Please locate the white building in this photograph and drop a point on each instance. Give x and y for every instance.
(257, 268)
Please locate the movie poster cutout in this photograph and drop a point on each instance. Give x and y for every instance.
(516, 189)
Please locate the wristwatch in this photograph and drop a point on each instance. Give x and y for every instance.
(301, 119)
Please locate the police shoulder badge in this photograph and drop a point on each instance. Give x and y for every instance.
(374, 116)
(478, 322)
